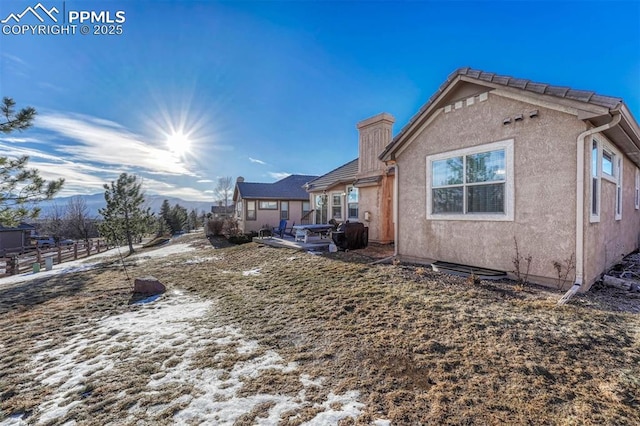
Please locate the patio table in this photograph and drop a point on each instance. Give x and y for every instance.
(302, 232)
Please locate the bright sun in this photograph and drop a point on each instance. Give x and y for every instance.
(178, 143)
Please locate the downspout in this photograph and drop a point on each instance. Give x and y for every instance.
(580, 204)
(396, 217)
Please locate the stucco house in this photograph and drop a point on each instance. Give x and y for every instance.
(259, 205)
(362, 189)
(490, 158)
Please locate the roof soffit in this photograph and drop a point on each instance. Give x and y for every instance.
(583, 104)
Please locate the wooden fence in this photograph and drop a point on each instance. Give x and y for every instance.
(18, 263)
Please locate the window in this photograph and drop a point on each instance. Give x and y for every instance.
(595, 182)
(251, 210)
(473, 183)
(268, 205)
(352, 202)
(239, 210)
(637, 192)
(284, 210)
(321, 208)
(606, 163)
(306, 213)
(619, 188)
(336, 205)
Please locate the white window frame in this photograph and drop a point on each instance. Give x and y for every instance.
(267, 205)
(350, 189)
(603, 146)
(509, 193)
(594, 178)
(610, 153)
(637, 191)
(336, 196)
(618, 171)
(251, 207)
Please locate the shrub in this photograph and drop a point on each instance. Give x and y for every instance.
(230, 228)
(215, 227)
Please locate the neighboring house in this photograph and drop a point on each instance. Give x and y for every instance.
(362, 189)
(489, 159)
(221, 212)
(259, 205)
(13, 239)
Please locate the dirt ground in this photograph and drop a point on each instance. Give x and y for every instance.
(346, 341)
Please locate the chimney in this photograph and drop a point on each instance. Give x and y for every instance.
(240, 179)
(375, 135)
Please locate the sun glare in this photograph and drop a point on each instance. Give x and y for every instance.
(178, 143)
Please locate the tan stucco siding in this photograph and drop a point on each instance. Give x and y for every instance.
(376, 210)
(544, 188)
(608, 241)
(269, 218)
(377, 200)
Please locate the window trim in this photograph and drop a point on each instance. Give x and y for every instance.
(610, 153)
(350, 189)
(260, 207)
(338, 196)
(601, 145)
(596, 181)
(239, 210)
(509, 193)
(254, 210)
(618, 171)
(282, 210)
(637, 191)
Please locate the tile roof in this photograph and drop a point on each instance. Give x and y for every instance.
(531, 86)
(23, 226)
(517, 83)
(343, 174)
(289, 188)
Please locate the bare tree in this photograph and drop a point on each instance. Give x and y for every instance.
(223, 189)
(80, 225)
(53, 222)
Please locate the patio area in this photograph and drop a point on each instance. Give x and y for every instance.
(314, 243)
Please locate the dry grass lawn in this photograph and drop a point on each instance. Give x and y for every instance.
(416, 347)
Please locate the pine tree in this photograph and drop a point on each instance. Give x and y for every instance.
(20, 188)
(124, 216)
(193, 219)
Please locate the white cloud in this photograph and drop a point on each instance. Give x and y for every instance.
(77, 179)
(279, 175)
(19, 140)
(156, 187)
(254, 160)
(205, 181)
(103, 141)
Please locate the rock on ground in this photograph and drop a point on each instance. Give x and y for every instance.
(148, 285)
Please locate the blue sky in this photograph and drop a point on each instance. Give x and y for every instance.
(265, 89)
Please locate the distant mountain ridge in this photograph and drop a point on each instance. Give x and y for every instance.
(96, 201)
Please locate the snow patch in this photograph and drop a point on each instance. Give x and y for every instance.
(251, 272)
(174, 323)
(168, 250)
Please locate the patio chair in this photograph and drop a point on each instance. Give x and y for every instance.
(280, 229)
(289, 230)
